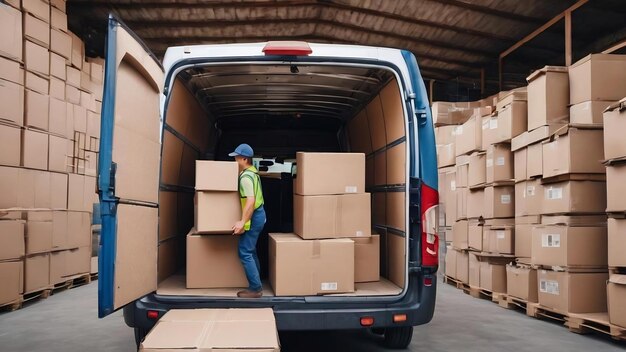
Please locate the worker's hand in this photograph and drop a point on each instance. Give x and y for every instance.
(238, 228)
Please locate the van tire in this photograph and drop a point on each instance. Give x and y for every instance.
(398, 338)
(140, 335)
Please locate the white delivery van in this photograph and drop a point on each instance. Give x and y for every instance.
(281, 97)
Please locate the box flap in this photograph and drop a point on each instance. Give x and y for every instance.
(617, 279)
(544, 70)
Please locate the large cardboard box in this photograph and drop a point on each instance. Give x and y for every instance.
(60, 230)
(474, 270)
(493, 277)
(10, 33)
(58, 191)
(330, 173)
(450, 197)
(451, 255)
(10, 152)
(38, 236)
(60, 43)
(462, 195)
(469, 136)
(302, 267)
(36, 83)
(445, 154)
(614, 123)
(520, 164)
(38, 8)
(598, 77)
(502, 239)
(216, 212)
(78, 261)
(35, 150)
(506, 98)
(367, 259)
(36, 30)
(462, 171)
(576, 151)
(616, 294)
(510, 122)
(499, 163)
(58, 19)
(218, 252)
(499, 202)
(9, 189)
(216, 175)
(569, 246)
(36, 272)
(332, 216)
(11, 71)
(12, 102)
(12, 238)
(36, 110)
(229, 330)
(476, 172)
(588, 112)
(524, 241)
(57, 267)
(57, 67)
(78, 229)
(462, 266)
(475, 235)
(616, 242)
(475, 203)
(521, 282)
(528, 197)
(445, 113)
(57, 154)
(445, 135)
(572, 292)
(574, 197)
(616, 187)
(459, 234)
(36, 58)
(12, 274)
(548, 96)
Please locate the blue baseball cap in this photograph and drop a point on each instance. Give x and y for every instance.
(243, 150)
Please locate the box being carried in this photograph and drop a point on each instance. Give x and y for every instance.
(217, 201)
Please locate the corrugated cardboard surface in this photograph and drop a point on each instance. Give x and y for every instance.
(37, 30)
(462, 171)
(588, 112)
(35, 150)
(36, 272)
(60, 43)
(391, 100)
(502, 240)
(302, 267)
(493, 277)
(445, 155)
(521, 283)
(359, 132)
(616, 187)
(78, 261)
(477, 167)
(462, 266)
(38, 236)
(217, 212)
(216, 175)
(574, 197)
(548, 96)
(474, 270)
(57, 116)
(213, 251)
(450, 197)
(58, 19)
(396, 210)
(451, 255)
(396, 254)
(523, 240)
(347, 215)
(36, 83)
(314, 170)
(474, 204)
(565, 246)
(598, 77)
(616, 242)
(12, 238)
(10, 152)
(499, 163)
(36, 58)
(509, 123)
(214, 330)
(475, 235)
(376, 120)
(12, 274)
(367, 259)
(39, 8)
(460, 234)
(614, 123)
(11, 71)
(573, 292)
(11, 33)
(528, 197)
(499, 202)
(578, 151)
(469, 136)
(36, 110)
(616, 292)
(12, 102)
(520, 164)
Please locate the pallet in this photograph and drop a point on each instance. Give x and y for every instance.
(522, 305)
(595, 323)
(12, 306)
(454, 282)
(27, 297)
(72, 282)
(478, 292)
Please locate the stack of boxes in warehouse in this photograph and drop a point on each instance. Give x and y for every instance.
(49, 125)
(550, 227)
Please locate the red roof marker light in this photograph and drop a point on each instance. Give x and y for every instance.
(291, 48)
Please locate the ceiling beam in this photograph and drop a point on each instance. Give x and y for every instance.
(491, 11)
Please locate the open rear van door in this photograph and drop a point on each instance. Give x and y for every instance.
(128, 180)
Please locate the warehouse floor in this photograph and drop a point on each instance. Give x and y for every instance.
(68, 322)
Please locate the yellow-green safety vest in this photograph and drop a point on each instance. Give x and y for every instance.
(251, 173)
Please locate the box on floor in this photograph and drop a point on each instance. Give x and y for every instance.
(616, 293)
(367, 258)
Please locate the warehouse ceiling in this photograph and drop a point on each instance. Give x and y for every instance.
(452, 39)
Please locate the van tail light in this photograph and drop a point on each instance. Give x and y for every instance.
(430, 219)
(290, 48)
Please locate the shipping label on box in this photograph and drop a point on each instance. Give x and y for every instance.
(572, 292)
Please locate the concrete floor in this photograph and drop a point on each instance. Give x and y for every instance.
(68, 322)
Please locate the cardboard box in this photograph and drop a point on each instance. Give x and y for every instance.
(38, 8)
(38, 237)
(520, 164)
(616, 242)
(502, 240)
(445, 155)
(462, 195)
(499, 202)
(445, 113)
(460, 234)
(73, 78)
(575, 151)
(217, 175)
(476, 172)
(76, 192)
(367, 259)
(216, 212)
(35, 150)
(506, 98)
(300, 268)
(574, 197)
(462, 266)
(348, 173)
(521, 282)
(469, 136)
(57, 116)
(528, 197)
(12, 102)
(57, 158)
(445, 135)
(11, 138)
(57, 89)
(78, 229)
(11, 71)
(332, 216)
(575, 220)
(36, 272)
(475, 203)
(474, 270)
(58, 191)
(214, 251)
(499, 163)
(572, 292)
(57, 267)
(616, 294)
(57, 66)
(77, 53)
(78, 261)
(11, 33)
(214, 330)
(60, 43)
(12, 237)
(614, 123)
(451, 255)
(60, 230)
(588, 112)
(493, 277)
(510, 122)
(616, 187)
(36, 31)
(12, 274)
(58, 19)
(534, 165)
(565, 246)
(450, 197)
(548, 96)
(36, 83)
(37, 109)
(462, 171)
(598, 77)
(9, 187)
(475, 235)
(36, 58)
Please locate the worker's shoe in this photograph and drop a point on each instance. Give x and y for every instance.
(250, 294)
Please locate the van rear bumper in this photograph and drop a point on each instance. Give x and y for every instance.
(418, 304)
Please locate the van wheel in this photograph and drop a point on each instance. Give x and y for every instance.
(140, 334)
(398, 338)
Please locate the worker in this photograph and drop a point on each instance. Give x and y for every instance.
(252, 220)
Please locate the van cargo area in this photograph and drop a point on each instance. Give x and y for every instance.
(281, 109)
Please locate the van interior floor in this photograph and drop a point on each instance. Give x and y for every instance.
(175, 285)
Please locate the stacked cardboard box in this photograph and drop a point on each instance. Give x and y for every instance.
(47, 170)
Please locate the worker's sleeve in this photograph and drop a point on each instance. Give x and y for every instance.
(247, 187)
